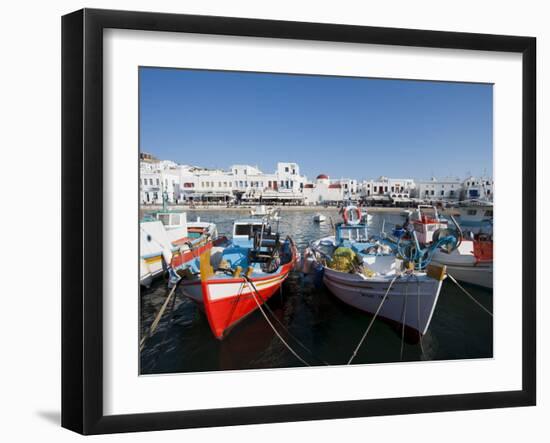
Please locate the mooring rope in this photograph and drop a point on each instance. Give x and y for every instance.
(156, 321)
(418, 314)
(404, 318)
(470, 295)
(273, 327)
(281, 323)
(372, 320)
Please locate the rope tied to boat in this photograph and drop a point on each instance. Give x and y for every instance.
(372, 320)
(403, 319)
(157, 319)
(271, 324)
(469, 295)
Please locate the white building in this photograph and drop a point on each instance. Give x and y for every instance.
(327, 191)
(242, 183)
(474, 188)
(248, 184)
(446, 189)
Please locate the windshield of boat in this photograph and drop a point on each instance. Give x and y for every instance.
(247, 229)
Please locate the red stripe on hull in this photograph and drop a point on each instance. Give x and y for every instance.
(225, 313)
(182, 259)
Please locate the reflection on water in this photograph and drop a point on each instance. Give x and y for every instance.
(183, 341)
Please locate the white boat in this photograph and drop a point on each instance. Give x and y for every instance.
(475, 216)
(260, 210)
(368, 218)
(366, 293)
(269, 212)
(168, 240)
(319, 218)
(471, 259)
(471, 262)
(378, 281)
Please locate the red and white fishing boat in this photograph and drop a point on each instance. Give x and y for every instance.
(168, 240)
(471, 261)
(233, 280)
(425, 222)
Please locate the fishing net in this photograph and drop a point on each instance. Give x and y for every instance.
(344, 260)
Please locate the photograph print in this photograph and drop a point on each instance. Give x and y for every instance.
(291, 220)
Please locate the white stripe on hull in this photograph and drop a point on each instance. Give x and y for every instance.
(367, 295)
(481, 275)
(226, 290)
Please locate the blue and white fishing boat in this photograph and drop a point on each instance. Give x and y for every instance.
(370, 274)
(471, 260)
(475, 216)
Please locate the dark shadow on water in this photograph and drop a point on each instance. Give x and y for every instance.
(54, 417)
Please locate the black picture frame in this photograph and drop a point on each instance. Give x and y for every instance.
(82, 218)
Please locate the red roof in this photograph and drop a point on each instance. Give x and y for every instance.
(308, 185)
(322, 176)
(335, 186)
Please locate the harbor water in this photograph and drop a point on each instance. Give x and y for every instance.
(329, 328)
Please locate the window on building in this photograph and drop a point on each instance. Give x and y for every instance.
(282, 184)
(294, 171)
(158, 181)
(442, 193)
(452, 193)
(286, 169)
(427, 192)
(488, 192)
(385, 189)
(375, 189)
(433, 192)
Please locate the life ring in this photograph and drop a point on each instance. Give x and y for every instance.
(349, 220)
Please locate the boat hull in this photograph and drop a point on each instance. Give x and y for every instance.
(411, 300)
(481, 275)
(227, 301)
(472, 262)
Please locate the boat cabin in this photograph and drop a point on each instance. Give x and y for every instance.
(170, 220)
(246, 230)
(425, 221)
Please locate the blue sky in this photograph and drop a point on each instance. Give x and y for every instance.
(344, 127)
